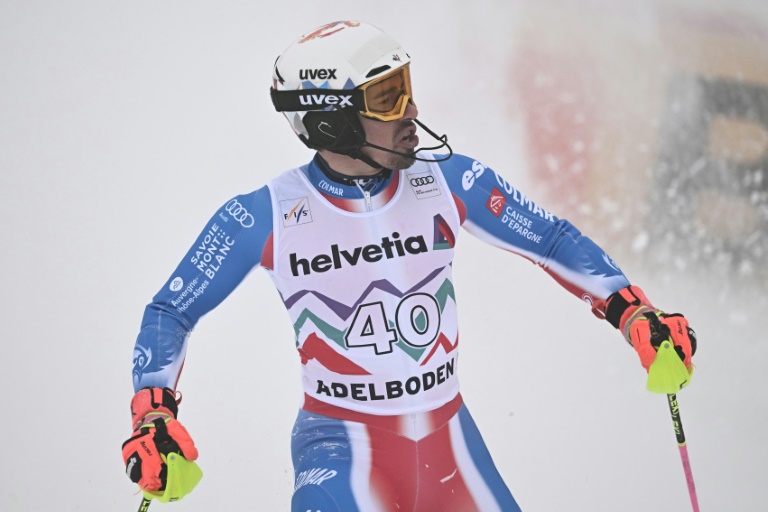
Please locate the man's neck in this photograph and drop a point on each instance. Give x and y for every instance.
(348, 179)
(348, 166)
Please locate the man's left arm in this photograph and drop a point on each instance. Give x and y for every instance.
(501, 215)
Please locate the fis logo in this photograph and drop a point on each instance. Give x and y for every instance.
(317, 74)
(295, 212)
(496, 202)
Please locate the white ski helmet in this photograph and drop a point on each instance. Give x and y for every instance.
(325, 77)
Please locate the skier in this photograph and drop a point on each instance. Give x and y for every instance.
(359, 243)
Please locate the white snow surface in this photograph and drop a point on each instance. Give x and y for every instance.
(124, 125)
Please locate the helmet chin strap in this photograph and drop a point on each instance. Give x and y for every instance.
(347, 179)
(442, 138)
(357, 153)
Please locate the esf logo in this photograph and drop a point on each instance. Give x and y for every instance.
(341, 100)
(295, 212)
(422, 180)
(469, 177)
(317, 74)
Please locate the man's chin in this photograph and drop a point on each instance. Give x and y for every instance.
(401, 162)
(403, 159)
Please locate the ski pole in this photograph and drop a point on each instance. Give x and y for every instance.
(674, 409)
(144, 505)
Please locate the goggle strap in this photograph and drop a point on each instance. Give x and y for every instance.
(305, 100)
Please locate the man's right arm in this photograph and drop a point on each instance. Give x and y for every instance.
(236, 239)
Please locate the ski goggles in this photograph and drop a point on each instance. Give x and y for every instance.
(384, 98)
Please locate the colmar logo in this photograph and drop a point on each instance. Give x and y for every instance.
(317, 74)
(314, 476)
(295, 212)
(496, 202)
(342, 100)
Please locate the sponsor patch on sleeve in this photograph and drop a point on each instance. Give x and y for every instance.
(496, 202)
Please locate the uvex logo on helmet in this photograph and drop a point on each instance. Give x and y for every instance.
(319, 74)
(341, 100)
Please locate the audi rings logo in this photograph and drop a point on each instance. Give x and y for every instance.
(423, 184)
(239, 213)
(422, 180)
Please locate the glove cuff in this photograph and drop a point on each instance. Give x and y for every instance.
(625, 306)
(152, 403)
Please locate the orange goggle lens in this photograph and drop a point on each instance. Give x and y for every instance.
(386, 98)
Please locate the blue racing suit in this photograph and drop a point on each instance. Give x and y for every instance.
(363, 267)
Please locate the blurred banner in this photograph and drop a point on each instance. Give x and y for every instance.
(647, 125)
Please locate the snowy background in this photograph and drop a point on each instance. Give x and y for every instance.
(124, 125)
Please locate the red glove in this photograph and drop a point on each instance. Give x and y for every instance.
(646, 327)
(155, 431)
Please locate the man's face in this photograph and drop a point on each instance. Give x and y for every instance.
(398, 135)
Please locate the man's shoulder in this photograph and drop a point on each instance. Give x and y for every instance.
(288, 175)
(456, 163)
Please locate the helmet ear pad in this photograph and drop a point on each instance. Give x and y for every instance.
(339, 131)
